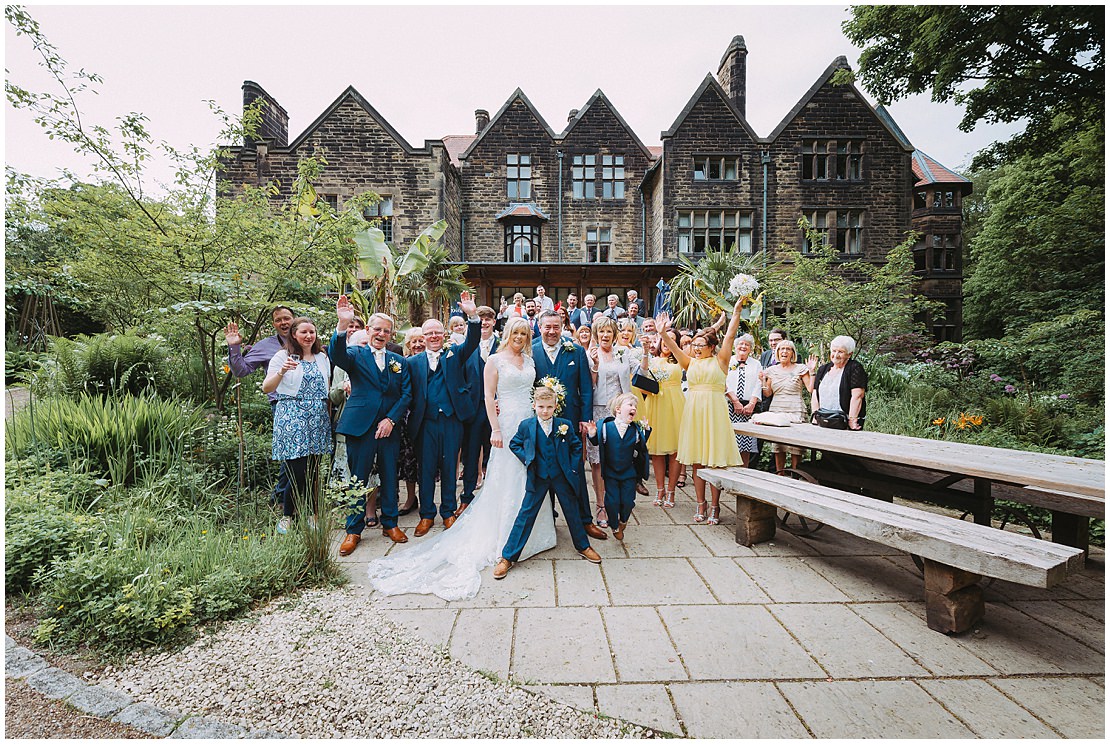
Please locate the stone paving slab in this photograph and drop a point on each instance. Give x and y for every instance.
(561, 644)
(660, 581)
(784, 544)
(1069, 621)
(985, 710)
(896, 709)
(648, 514)
(642, 649)
(937, 652)
(843, 644)
(736, 642)
(664, 541)
(54, 683)
(789, 579)
(481, 639)
(530, 583)
(735, 710)
(1075, 707)
(831, 541)
(20, 662)
(729, 584)
(646, 705)
(576, 696)
(720, 541)
(579, 583)
(98, 700)
(149, 718)
(870, 578)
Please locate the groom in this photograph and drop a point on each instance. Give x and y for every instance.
(566, 361)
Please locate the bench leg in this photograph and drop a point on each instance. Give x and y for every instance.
(1071, 530)
(953, 598)
(755, 521)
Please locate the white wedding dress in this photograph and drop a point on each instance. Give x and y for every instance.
(449, 564)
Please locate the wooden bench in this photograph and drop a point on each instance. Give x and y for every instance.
(956, 554)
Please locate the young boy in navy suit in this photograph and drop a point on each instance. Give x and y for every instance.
(623, 455)
(551, 450)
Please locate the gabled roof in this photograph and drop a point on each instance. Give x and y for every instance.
(600, 96)
(892, 125)
(709, 82)
(455, 144)
(929, 171)
(518, 209)
(352, 94)
(518, 93)
(840, 63)
(656, 151)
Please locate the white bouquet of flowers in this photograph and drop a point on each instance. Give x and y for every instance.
(743, 285)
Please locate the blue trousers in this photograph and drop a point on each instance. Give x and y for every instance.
(437, 451)
(475, 449)
(533, 501)
(361, 454)
(620, 499)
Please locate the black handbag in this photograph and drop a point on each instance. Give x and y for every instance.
(644, 382)
(828, 418)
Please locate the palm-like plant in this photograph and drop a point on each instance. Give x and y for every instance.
(698, 289)
(437, 284)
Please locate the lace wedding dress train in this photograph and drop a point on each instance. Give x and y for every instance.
(449, 565)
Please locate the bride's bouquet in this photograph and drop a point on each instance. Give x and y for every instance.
(558, 387)
(743, 285)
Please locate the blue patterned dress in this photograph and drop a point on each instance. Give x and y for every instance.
(301, 425)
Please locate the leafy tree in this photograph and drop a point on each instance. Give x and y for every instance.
(1004, 63)
(826, 297)
(1039, 249)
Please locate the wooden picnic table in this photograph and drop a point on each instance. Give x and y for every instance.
(1072, 488)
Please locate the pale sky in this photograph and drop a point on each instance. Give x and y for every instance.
(426, 69)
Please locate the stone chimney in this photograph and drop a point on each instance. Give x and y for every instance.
(274, 128)
(733, 73)
(481, 120)
(570, 117)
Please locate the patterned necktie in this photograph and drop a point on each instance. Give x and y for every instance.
(433, 360)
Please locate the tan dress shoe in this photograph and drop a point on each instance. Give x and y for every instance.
(590, 554)
(461, 509)
(596, 532)
(350, 542)
(395, 534)
(447, 522)
(619, 531)
(502, 568)
(423, 526)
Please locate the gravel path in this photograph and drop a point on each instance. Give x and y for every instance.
(32, 715)
(329, 664)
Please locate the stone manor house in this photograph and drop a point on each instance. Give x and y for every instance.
(593, 209)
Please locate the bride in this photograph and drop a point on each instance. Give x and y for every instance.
(449, 564)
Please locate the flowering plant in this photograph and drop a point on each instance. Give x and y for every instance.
(743, 285)
(394, 366)
(560, 390)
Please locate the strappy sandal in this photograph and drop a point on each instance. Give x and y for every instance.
(714, 514)
(668, 499)
(681, 483)
(602, 522)
(659, 496)
(699, 517)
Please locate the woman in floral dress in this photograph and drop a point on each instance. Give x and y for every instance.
(788, 381)
(300, 374)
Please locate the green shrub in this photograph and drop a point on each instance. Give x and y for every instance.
(35, 537)
(120, 437)
(19, 363)
(107, 364)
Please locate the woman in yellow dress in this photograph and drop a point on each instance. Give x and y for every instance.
(662, 411)
(705, 436)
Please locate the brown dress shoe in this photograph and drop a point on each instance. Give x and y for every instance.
(448, 521)
(350, 542)
(641, 489)
(423, 526)
(595, 532)
(590, 554)
(619, 531)
(461, 509)
(395, 534)
(502, 568)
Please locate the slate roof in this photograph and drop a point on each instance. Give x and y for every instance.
(456, 144)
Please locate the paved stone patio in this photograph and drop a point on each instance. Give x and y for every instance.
(685, 631)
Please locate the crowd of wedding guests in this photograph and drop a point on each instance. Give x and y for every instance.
(417, 413)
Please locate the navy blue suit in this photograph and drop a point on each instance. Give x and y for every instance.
(624, 463)
(441, 401)
(476, 431)
(554, 463)
(375, 395)
(571, 368)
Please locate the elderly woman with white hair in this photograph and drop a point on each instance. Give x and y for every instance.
(743, 389)
(841, 384)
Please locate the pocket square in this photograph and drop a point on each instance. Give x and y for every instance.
(571, 364)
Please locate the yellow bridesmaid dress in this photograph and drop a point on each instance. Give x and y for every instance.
(663, 411)
(705, 437)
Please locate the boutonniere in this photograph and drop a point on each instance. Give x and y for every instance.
(562, 430)
(619, 351)
(734, 364)
(568, 346)
(394, 366)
